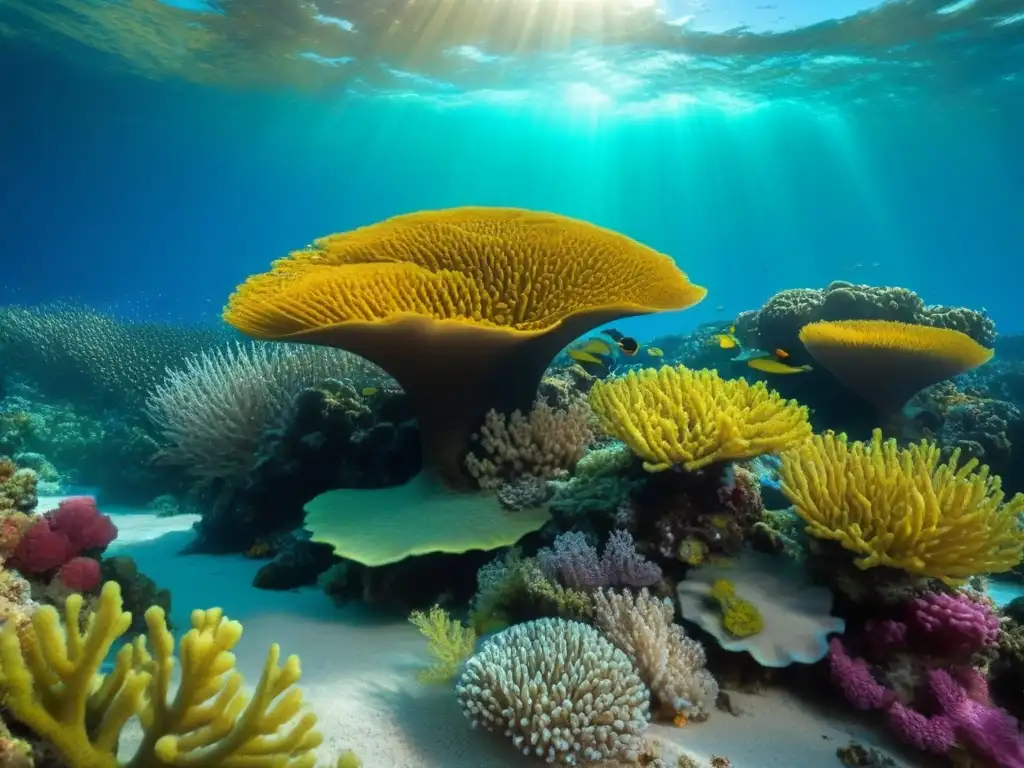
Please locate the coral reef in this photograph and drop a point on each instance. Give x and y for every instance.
(449, 643)
(573, 563)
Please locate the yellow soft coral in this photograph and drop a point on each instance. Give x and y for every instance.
(674, 415)
(904, 508)
(740, 617)
(49, 682)
(449, 643)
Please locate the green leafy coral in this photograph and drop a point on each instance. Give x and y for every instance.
(49, 682)
(448, 642)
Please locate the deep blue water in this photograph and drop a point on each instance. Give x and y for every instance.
(154, 196)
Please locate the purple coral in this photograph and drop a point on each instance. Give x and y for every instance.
(853, 677)
(573, 562)
(952, 625)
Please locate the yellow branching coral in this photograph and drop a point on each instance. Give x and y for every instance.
(448, 642)
(49, 682)
(674, 415)
(904, 508)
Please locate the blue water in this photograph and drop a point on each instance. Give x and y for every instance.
(148, 172)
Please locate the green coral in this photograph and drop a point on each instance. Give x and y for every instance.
(448, 642)
(513, 589)
(740, 617)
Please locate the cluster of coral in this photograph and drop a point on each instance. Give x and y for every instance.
(623, 545)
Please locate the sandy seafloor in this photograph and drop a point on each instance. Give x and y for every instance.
(359, 675)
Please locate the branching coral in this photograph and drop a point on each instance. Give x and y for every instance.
(448, 642)
(573, 563)
(559, 690)
(545, 444)
(904, 509)
(669, 662)
(49, 678)
(674, 415)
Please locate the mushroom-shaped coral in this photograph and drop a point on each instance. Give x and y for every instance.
(465, 307)
(903, 508)
(674, 415)
(887, 362)
(797, 616)
(560, 690)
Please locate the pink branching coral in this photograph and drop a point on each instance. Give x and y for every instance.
(854, 678)
(952, 625)
(572, 562)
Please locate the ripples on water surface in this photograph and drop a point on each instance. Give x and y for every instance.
(642, 56)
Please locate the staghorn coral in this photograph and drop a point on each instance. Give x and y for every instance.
(887, 363)
(545, 444)
(673, 415)
(465, 307)
(670, 663)
(903, 508)
(214, 410)
(49, 682)
(559, 690)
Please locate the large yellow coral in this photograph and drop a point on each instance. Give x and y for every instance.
(904, 508)
(674, 415)
(465, 307)
(49, 682)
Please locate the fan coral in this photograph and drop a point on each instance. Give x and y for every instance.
(669, 662)
(902, 508)
(887, 363)
(465, 307)
(560, 690)
(545, 444)
(694, 418)
(572, 562)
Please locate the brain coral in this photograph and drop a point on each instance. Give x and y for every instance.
(560, 690)
(465, 307)
(778, 322)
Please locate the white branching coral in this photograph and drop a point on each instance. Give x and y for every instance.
(670, 663)
(560, 690)
(545, 445)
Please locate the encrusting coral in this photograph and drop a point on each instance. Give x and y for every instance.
(544, 444)
(50, 684)
(674, 415)
(670, 663)
(464, 307)
(560, 690)
(886, 362)
(904, 508)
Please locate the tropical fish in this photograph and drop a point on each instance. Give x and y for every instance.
(369, 391)
(770, 365)
(627, 344)
(655, 352)
(750, 354)
(780, 353)
(727, 340)
(593, 355)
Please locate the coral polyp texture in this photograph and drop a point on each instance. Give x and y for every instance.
(904, 508)
(886, 362)
(465, 307)
(560, 690)
(50, 680)
(674, 415)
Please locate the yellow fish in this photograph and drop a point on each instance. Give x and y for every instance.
(768, 365)
(369, 391)
(584, 357)
(595, 347)
(726, 341)
(655, 352)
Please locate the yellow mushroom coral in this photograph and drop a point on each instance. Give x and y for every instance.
(464, 307)
(886, 362)
(904, 508)
(674, 415)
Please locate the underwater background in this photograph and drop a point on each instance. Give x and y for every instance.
(658, 400)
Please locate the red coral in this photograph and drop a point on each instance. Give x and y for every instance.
(78, 518)
(42, 549)
(80, 574)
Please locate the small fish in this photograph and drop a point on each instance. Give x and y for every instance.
(655, 352)
(692, 551)
(581, 356)
(768, 365)
(595, 347)
(726, 341)
(369, 391)
(750, 354)
(781, 354)
(627, 344)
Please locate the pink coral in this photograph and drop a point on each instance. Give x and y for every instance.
(80, 574)
(853, 677)
(41, 549)
(952, 625)
(78, 518)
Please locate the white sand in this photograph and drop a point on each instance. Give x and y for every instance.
(359, 673)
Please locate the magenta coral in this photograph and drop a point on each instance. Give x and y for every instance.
(80, 574)
(41, 549)
(78, 518)
(853, 677)
(952, 624)
(574, 563)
